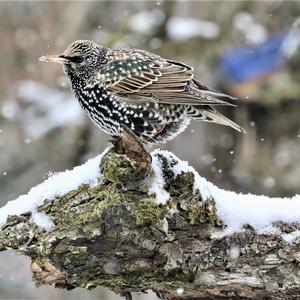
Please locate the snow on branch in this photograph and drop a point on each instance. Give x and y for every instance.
(56, 185)
(235, 210)
(130, 220)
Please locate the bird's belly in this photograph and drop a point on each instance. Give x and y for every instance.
(150, 122)
(105, 122)
(99, 111)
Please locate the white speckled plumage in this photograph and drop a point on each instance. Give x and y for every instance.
(156, 98)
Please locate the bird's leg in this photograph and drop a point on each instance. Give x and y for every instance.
(116, 141)
(127, 295)
(134, 149)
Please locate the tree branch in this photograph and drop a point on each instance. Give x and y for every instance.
(116, 235)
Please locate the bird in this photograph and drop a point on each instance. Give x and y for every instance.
(154, 97)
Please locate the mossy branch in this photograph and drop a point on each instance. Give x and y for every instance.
(116, 235)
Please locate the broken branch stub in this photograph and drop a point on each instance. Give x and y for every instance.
(128, 163)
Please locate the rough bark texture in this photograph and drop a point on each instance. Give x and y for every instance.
(115, 235)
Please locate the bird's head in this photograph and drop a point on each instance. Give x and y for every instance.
(81, 59)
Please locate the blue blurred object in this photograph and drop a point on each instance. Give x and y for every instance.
(246, 63)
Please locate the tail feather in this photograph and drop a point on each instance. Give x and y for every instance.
(209, 114)
(208, 92)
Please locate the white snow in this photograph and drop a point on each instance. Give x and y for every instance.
(180, 291)
(158, 182)
(289, 237)
(237, 209)
(42, 220)
(182, 29)
(234, 252)
(260, 212)
(57, 185)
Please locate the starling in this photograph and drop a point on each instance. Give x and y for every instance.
(155, 98)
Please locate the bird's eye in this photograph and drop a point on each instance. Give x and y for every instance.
(76, 59)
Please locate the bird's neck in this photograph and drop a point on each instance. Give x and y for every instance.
(77, 82)
(86, 90)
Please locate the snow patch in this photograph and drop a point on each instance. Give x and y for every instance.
(183, 167)
(180, 291)
(158, 182)
(42, 220)
(237, 209)
(289, 237)
(234, 252)
(57, 185)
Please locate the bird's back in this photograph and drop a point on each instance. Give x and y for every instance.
(137, 76)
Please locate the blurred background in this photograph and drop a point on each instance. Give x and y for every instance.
(249, 49)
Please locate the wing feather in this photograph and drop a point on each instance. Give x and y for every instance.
(139, 76)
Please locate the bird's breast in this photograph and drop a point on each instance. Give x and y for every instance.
(108, 112)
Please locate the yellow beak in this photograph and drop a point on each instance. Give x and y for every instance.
(54, 58)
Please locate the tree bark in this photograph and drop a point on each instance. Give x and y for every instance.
(116, 235)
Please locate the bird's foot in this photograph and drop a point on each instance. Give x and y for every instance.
(127, 295)
(117, 144)
(130, 145)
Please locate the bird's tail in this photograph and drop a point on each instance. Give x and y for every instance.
(209, 114)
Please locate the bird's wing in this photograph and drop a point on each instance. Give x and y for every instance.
(139, 76)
